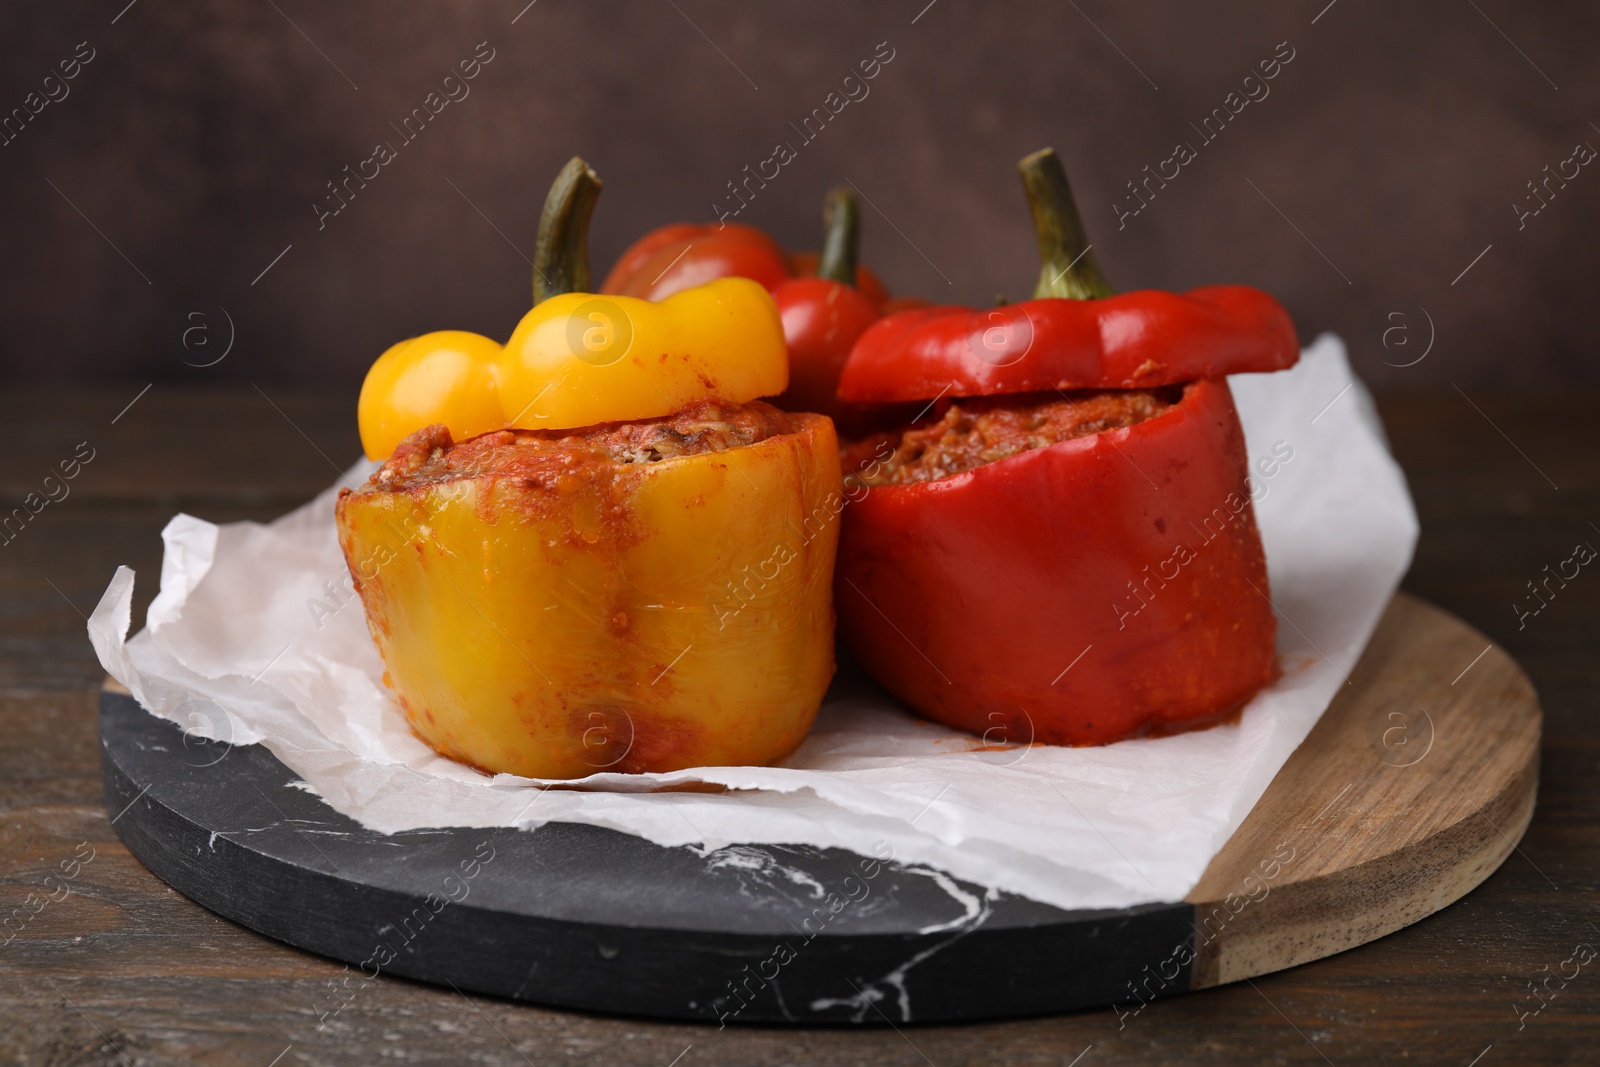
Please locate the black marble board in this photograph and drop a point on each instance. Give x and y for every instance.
(578, 916)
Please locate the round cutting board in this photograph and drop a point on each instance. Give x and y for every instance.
(1416, 784)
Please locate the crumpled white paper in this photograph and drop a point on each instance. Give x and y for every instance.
(255, 637)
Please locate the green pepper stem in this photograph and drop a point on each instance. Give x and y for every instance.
(561, 254)
(841, 237)
(1066, 265)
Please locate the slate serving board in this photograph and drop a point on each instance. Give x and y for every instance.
(1415, 785)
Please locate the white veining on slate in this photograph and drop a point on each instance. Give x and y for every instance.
(212, 844)
(971, 903)
(757, 865)
(976, 910)
(782, 1006)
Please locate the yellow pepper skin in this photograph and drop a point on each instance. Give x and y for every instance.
(623, 617)
(417, 381)
(578, 359)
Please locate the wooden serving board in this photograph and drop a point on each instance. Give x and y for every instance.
(1415, 785)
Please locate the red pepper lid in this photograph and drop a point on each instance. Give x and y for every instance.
(1075, 334)
(1136, 340)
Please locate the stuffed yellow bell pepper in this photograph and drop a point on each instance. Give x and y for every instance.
(594, 549)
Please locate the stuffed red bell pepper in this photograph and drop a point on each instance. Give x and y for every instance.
(826, 299)
(1064, 550)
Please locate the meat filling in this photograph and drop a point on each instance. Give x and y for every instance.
(430, 456)
(967, 433)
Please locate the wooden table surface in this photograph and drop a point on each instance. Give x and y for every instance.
(116, 968)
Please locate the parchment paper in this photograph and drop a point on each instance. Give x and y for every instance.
(236, 648)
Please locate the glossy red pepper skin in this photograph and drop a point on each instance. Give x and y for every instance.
(821, 322)
(1079, 593)
(1136, 340)
(804, 265)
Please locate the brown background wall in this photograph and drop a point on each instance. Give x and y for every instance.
(200, 135)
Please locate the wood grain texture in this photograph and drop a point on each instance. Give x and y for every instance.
(129, 961)
(1413, 787)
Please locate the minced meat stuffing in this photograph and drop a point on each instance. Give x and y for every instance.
(430, 456)
(970, 432)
